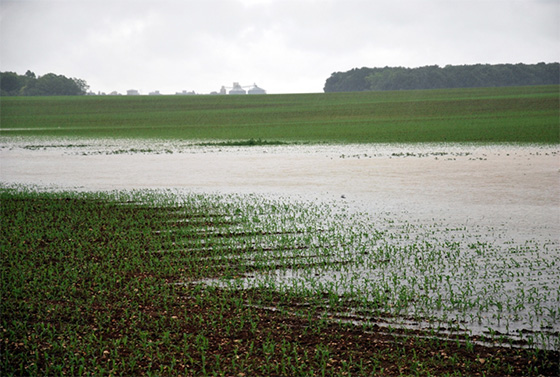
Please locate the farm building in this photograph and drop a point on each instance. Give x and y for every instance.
(256, 90)
(237, 89)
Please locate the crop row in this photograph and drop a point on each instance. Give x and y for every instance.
(161, 282)
(487, 115)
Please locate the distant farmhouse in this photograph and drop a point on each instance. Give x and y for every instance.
(132, 92)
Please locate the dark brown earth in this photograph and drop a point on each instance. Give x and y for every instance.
(85, 293)
(376, 351)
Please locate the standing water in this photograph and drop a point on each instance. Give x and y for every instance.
(470, 233)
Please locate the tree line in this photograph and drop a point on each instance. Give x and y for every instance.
(12, 84)
(435, 77)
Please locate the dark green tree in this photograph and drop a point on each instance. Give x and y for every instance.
(53, 85)
(82, 84)
(12, 84)
(434, 77)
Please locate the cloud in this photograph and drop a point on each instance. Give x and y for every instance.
(282, 45)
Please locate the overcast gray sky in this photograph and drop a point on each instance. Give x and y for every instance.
(285, 46)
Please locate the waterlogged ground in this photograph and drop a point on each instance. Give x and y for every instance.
(450, 237)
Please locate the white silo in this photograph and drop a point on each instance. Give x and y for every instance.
(237, 89)
(256, 90)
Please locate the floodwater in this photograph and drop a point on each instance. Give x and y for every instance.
(517, 185)
(510, 194)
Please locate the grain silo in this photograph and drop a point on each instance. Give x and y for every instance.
(237, 89)
(256, 90)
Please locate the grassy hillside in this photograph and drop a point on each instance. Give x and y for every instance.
(511, 114)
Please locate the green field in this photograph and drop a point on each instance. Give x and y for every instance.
(487, 115)
(148, 282)
(113, 284)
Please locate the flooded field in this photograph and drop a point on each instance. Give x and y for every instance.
(457, 238)
(518, 185)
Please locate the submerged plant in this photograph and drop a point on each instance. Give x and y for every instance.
(163, 282)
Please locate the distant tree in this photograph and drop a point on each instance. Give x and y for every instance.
(82, 85)
(351, 81)
(53, 85)
(433, 77)
(12, 84)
